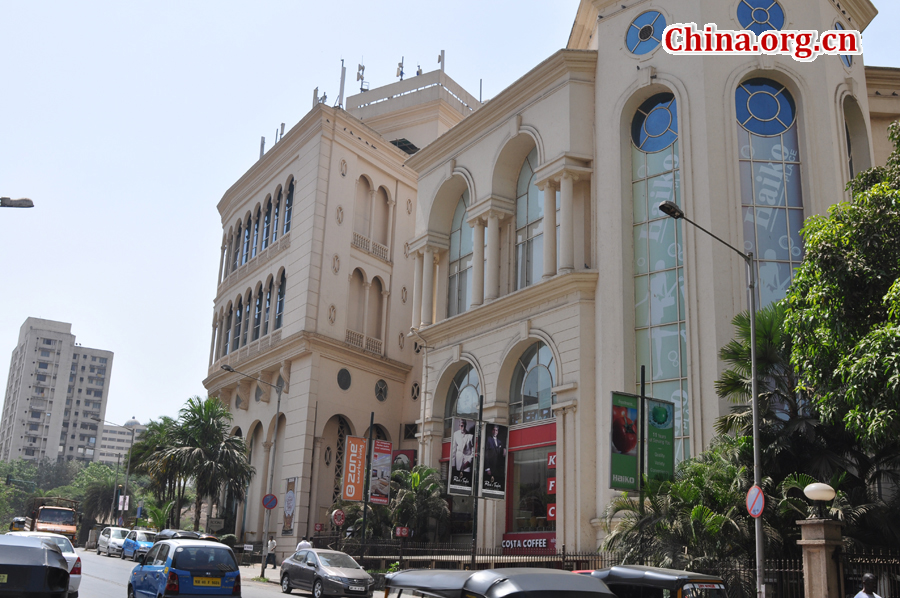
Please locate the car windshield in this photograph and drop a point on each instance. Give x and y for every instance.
(118, 533)
(189, 558)
(144, 537)
(337, 559)
(704, 591)
(64, 544)
(60, 516)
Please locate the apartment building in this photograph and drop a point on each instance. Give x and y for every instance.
(115, 441)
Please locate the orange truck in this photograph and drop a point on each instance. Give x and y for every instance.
(55, 515)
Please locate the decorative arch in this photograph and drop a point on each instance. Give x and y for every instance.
(381, 433)
(858, 154)
(362, 206)
(440, 215)
(510, 357)
(508, 163)
(445, 381)
(355, 300)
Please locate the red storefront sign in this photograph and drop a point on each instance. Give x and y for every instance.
(551, 485)
(551, 512)
(530, 543)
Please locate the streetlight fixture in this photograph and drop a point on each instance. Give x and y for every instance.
(278, 389)
(819, 493)
(673, 211)
(6, 202)
(128, 460)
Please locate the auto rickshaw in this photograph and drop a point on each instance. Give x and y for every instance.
(494, 583)
(17, 524)
(637, 581)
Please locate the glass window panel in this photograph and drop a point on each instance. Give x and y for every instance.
(774, 280)
(639, 195)
(521, 265)
(671, 391)
(679, 451)
(467, 239)
(660, 189)
(681, 301)
(522, 210)
(663, 289)
(453, 297)
(465, 292)
(638, 164)
(666, 352)
(661, 244)
(767, 148)
(454, 245)
(746, 183)
(642, 351)
(524, 179)
(791, 145)
(459, 214)
(792, 181)
(769, 179)
(545, 356)
(682, 334)
(515, 413)
(687, 449)
(677, 199)
(659, 162)
(795, 224)
(749, 230)
(536, 251)
(642, 301)
(535, 228)
(535, 203)
(771, 234)
(528, 491)
(641, 251)
(744, 147)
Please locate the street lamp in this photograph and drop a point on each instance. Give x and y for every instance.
(278, 389)
(6, 202)
(670, 209)
(128, 460)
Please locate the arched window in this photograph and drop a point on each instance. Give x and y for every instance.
(257, 312)
(279, 306)
(530, 395)
(459, 291)
(245, 252)
(771, 189)
(462, 398)
(362, 208)
(246, 322)
(238, 312)
(275, 218)
(288, 208)
(236, 248)
(226, 345)
(659, 314)
(267, 223)
(268, 308)
(530, 225)
(847, 59)
(255, 234)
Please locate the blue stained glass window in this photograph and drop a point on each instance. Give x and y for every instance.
(764, 107)
(655, 126)
(847, 59)
(760, 15)
(645, 32)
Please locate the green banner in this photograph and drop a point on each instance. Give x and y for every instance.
(660, 440)
(623, 454)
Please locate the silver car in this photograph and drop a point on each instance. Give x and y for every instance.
(111, 539)
(325, 573)
(68, 552)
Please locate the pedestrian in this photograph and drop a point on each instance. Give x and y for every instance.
(868, 587)
(304, 543)
(270, 557)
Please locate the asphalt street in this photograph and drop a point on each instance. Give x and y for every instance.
(105, 577)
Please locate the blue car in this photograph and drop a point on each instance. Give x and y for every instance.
(136, 543)
(185, 568)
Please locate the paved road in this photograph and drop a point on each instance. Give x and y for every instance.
(104, 577)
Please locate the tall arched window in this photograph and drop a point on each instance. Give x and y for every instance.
(459, 293)
(771, 189)
(267, 223)
(462, 398)
(257, 312)
(659, 314)
(236, 248)
(226, 344)
(288, 208)
(238, 312)
(279, 306)
(530, 395)
(530, 225)
(275, 217)
(268, 309)
(255, 233)
(245, 252)
(246, 321)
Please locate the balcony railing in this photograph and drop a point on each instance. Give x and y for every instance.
(355, 339)
(363, 243)
(360, 242)
(363, 342)
(379, 251)
(373, 345)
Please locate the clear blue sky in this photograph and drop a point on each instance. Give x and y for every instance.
(126, 122)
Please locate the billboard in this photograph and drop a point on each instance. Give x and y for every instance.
(403, 459)
(660, 440)
(354, 468)
(623, 452)
(462, 456)
(380, 484)
(493, 462)
(290, 500)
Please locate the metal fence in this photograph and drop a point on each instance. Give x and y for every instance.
(883, 564)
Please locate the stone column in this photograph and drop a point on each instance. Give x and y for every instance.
(566, 224)
(314, 487)
(384, 306)
(371, 214)
(390, 225)
(493, 257)
(365, 321)
(222, 262)
(549, 230)
(212, 341)
(478, 264)
(263, 489)
(428, 287)
(417, 290)
(819, 539)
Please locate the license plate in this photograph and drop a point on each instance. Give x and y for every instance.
(210, 582)
(2, 577)
(357, 589)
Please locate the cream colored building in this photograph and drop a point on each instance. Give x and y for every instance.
(116, 441)
(530, 257)
(315, 292)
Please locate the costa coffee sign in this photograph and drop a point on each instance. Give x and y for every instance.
(529, 543)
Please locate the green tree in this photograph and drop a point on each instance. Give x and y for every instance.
(417, 500)
(168, 479)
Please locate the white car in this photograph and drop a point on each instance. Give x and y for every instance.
(111, 539)
(68, 551)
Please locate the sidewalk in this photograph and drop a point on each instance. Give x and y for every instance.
(249, 572)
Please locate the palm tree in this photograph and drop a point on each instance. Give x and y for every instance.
(208, 452)
(417, 500)
(159, 514)
(168, 482)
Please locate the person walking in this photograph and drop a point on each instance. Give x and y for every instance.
(869, 582)
(270, 556)
(304, 543)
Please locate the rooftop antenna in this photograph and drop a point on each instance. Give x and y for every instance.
(442, 60)
(400, 68)
(340, 100)
(315, 97)
(262, 147)
(361, 77)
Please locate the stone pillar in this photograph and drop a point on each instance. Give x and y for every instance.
(371, 214)
(549, 230)
(212, 341)
(819, 539)
(493, 257)
(566, 224)
(384, 309)
(263, 490)
(314, 488)
(390, 225)
(417, 290)
(428, 287)
(478, 264)
(365, 321)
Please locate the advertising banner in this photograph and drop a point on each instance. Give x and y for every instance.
(354, 468)
(493, 472)
(290, 498)
(380, 484)
(403, 459)
(623, 454)
(462, 456)
(660, 440)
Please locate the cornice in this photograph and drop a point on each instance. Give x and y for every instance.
(882, 77)
(583, 27)
(580, 65)
(861, 12)
(513, 305)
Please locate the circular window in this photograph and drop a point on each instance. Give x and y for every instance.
(655, 126)
(415, 391)
(764, 107)
(381, 390)
(847, 59)
(760, 15)
(343, 379)
(645, 32)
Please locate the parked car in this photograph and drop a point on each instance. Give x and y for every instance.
(110, 540)
(137, 542)
(495, 583)
(325, 573)
(638, 581)
(172, 534)
(32, 567)
(179, 567)
(73, 561)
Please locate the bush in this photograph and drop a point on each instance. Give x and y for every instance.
(228, 539)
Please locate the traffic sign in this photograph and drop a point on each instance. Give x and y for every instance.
(401, 532)
(216, 524)
(320, 527)
(338, 517)
(269, 501)
(756, 501)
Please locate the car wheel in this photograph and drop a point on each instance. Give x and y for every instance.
(122, 555)
(108, 552)
(318, 590)
(98, 550)
(130, 591)
(285, 584)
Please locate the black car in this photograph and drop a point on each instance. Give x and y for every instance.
(175, 534)
(32, 568)
(638, 581)
(494, 583)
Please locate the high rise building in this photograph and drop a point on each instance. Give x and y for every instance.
(56, 395)
(115, 441)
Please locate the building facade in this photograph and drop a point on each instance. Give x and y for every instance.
(116, 441)
(56, 395)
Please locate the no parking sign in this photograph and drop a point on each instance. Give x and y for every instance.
(756, 501)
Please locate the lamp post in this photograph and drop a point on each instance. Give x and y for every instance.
(6, 202)
(670, 209)
(127, 460)
(278, 389)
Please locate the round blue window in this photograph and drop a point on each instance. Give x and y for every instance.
(760, 15)
(645, 32)
(764, 107)
(655, 126)
(847, 59)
